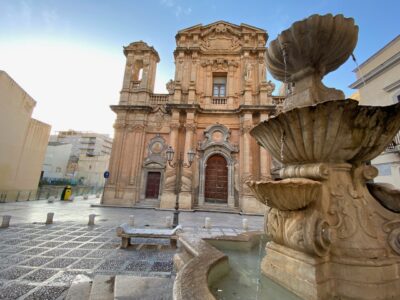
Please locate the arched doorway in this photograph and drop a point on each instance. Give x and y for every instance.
(216, 180)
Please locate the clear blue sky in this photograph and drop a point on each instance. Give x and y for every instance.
(84, 63)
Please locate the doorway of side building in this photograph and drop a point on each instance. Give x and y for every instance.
(153, 185)
(216, 180)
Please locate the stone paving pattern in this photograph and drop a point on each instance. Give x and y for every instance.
(39, 261)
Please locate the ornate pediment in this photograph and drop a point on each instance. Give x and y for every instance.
(221, 36)
(217, 135)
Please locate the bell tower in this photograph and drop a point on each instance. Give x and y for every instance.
(140, 73)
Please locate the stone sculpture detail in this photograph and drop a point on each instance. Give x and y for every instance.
(330, 236)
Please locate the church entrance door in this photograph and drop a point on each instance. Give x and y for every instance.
(216, 181)
(153, 185)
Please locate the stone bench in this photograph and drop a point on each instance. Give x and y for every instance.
(126, 232)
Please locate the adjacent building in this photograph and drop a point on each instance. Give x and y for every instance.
(91, 169)
(56, 160)
(218, 94)
(23, 142)
(80, 157)
(378, 83)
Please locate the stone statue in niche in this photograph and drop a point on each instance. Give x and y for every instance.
(248, 72)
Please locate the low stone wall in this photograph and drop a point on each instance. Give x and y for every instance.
(199, 264)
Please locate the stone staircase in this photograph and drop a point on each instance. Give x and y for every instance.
(217, 208)
(120, 287)
(148, 203)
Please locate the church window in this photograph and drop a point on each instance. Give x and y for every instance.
(219, 86)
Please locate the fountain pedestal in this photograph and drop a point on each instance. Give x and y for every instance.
(344, 243)
(330, 237)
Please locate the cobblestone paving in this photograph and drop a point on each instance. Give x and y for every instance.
(40, 261)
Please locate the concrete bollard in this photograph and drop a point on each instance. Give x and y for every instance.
(6, 221)
(245, 224)
(131, 220)
(91, 219)
(85, 197)
(51, 199)
(49, 219)
(207, 223)
(168, 221)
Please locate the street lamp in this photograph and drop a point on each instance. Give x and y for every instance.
(178, 164)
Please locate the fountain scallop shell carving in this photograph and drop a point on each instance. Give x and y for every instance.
(332, 131)
(318, 44)
(287, 194)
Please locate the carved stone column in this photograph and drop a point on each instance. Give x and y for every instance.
(232, 65)
(138, 148)
(168, 195)
(185, 198)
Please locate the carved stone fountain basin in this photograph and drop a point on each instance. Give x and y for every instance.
(332, 131)
(287, 194)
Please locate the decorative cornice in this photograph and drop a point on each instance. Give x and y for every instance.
(392, 86)
(241, 109)
(126, 107)
(388, 64)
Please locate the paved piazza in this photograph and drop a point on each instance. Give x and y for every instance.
(39, 261)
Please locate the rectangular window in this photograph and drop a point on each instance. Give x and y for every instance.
(219, 86)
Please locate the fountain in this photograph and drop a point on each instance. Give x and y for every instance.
(330, 236)
(332, 233)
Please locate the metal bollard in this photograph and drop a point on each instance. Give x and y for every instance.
(91, 219)
(6, 221)
(245, 224)
(207, 223)
(51, 199)
(49, 219)
(131, 220)
(168, 221)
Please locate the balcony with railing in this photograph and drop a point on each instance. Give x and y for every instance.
(159, 99)
(219, 100)
(394, 146)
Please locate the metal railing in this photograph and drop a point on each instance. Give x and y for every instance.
(394, 146)
(45, 192)
(219, 100)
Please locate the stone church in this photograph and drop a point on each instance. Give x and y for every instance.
(218, 94)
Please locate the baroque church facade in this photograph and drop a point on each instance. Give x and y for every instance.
(218, 94)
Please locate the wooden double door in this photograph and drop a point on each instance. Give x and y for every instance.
(153, 185)
(216, 180)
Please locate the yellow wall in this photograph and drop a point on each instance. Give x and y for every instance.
(23, 142)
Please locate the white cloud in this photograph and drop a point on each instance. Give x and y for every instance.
(176, 8)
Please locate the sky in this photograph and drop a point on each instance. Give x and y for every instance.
(68, 54)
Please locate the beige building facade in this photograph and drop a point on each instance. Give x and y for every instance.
(23, 142)
(91, 169)
(378, 83)
(218, 94)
